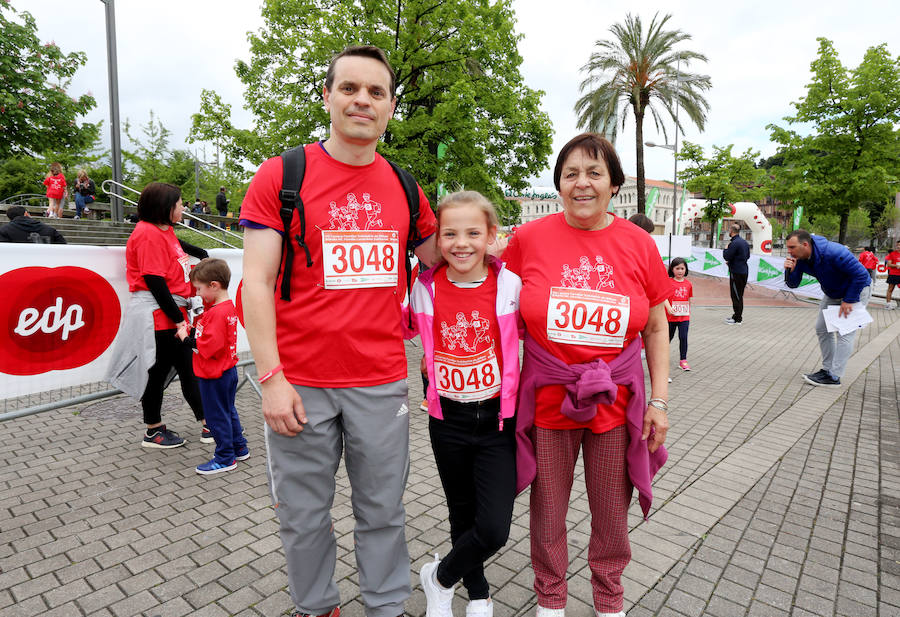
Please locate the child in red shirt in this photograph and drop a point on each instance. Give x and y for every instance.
(678, 307)
(55, 182)
(215, 355)
(893, 279)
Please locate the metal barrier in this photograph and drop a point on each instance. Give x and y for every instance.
(249, 375)
(110, 186)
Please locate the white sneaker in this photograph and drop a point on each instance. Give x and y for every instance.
(480, 608)
(619, 614)
(438, 601)
(889, 307)
(550, 612)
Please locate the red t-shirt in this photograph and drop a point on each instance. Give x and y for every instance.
(150, 250)
(467, 357)
(56, 186)
(893, 257)
(342, 330)
(585, 294)
(216, 335)
(868, 260)
(680, 299)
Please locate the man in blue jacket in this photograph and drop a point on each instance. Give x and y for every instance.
(843, 281)
(736, 255)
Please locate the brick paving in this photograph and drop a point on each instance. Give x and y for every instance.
(778, 499)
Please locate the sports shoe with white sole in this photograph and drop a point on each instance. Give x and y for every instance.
(480, 608)
(438, 601)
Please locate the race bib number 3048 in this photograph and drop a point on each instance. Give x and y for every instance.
(587, 317)
(467, 378)
(358, 259)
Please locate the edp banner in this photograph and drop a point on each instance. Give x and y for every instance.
(61, 308)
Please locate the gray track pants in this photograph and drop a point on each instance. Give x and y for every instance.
(372, 423)
(836, 348)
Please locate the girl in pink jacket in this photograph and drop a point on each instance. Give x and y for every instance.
(466, 312)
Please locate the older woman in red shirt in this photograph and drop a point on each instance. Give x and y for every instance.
(592, 285)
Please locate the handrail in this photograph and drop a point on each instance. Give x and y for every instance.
(109, 185)
(8, 201)
(210, 236)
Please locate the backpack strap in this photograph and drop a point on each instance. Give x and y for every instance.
(294, 168)
(411, 190)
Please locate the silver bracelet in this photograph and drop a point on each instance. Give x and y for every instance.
(659, 404)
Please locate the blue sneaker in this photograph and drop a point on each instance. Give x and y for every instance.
(211, 467)
(161, 437)
(243, 454)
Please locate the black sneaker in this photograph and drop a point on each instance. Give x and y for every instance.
(821, 380)
(335, 612)
(161, 437)
(206, 435)
(818, 374)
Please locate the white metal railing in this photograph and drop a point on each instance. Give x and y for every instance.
(111, 186)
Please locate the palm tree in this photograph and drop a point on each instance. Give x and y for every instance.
(634, 69)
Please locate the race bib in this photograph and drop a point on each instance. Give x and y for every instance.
(185, 262)
(467, 378)
(359, 259)
(680, 309)
(587, 317)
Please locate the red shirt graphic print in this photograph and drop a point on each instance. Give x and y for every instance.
(467, 358)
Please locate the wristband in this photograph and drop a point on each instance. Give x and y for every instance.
(271, 374)
(659, 404)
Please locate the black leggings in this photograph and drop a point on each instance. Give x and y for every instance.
(682, 327)
(477, 465)
(170, 353)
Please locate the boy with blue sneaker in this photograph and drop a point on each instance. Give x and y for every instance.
(214, 342)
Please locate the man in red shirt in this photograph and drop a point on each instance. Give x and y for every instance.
(332, 358)
(893, 264)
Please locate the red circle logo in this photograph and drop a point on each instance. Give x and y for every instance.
(766, 246)
(56, 319)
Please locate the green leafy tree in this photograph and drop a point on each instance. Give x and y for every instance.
(723, 179)
(458, 79)
(639, 71)
(851, 153)
(37, 115)
(509, 211)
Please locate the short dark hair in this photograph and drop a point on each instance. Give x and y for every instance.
(597, 146)
(365, 51)
(735, 227)
(643, 221)
(157, 201)
(802, 236)
(211, 269)
(678, 261)
(14, 212)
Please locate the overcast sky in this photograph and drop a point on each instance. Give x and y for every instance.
(759, 54)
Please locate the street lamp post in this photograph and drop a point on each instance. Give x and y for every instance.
(117, 211)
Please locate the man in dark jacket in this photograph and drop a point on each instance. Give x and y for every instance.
(222, 202)
(23, 228)
(843, 281)
(736, 256)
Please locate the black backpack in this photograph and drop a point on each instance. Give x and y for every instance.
(294, 168)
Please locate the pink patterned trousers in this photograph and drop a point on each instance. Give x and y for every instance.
(609, 493)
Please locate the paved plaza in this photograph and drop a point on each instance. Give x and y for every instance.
(778, 498)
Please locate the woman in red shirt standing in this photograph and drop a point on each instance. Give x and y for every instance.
(592, 285)
(157, 268)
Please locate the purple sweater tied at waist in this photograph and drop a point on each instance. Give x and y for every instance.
(587, 385)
